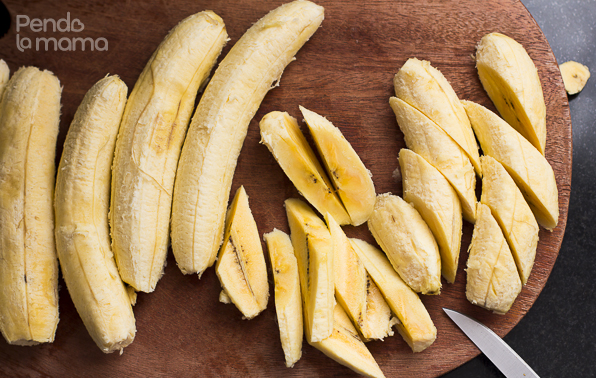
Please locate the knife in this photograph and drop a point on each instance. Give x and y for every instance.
(489, 343)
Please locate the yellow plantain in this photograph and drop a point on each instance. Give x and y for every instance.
(219, 126)
(4, 75)
(575, 76)
(82, 200)
(527, 166)
(511, 80)
(30, 116)
(288, 302)
(148, 146)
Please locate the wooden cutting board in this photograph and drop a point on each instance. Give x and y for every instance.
(345, 73)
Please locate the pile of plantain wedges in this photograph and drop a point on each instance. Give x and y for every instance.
(138, 173)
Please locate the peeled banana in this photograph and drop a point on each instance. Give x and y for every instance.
(219, 126)
(425, 88)
(437, 202)
(148, 146)
(349, 175)
(4, 75)
(356, 291)
(282, 136)
(526, 165)
(408, 242)
(511, 80)
(415, 324)
(428, 140)
(241, 267)
(30, 116)
(512, 212)
(345, 346)
(493, 281)
(82, 201)
(288, 301)
(575, 76)
(314, 251)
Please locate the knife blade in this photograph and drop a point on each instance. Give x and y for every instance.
(489, 343)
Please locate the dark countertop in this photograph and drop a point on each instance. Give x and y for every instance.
(557, 337)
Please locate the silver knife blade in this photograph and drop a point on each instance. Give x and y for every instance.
(489, 343)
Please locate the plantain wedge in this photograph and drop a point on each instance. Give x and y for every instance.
(425, 88)
(345, 346)
(355, 290)
(408, 242)
(511, 80)
(349, 175)
(314, 251)
(282, 136)
(148, 146)
(241, 267)
(288, 302)
(512, 212)
(428, 140)
(492, 278)
(526, 165)
(219, 126)
(575, 76)
(29, 122)
(438, 204)
(415, 324)
(4, 75)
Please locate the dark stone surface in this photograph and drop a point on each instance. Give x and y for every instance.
(558, 335)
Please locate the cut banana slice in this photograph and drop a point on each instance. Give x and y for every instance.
(345, 346)
(493, 281)
(425, 88)
(355, 291)
(241, 267)
(282, 136)
(349, 175)
(512, 212)
(408, 242)
(511, 80)
(428, 140)
(575, 76)
(148, 146)
(30, 117)
(438, 204)
(82, 204)
(220, 124)
(288, 302)
(528, 168)
(4, 75)
(314, 251)
(415, 324)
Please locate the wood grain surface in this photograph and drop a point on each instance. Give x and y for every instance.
(345, 73)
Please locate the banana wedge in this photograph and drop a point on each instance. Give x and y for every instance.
(241, 267)
(345, 346)
(428, 140)
(220, 124)
(30, 115)
(349, 175)
(493, 281)
(437, 202)
(81, 204)
(355, 290)
(408, 242)
(511, 211)
(415, 324)
(575, 76)
(425, 88)
(282, 136)
(314, 251)
(148, 146)
(511, 80)
(4, 75)
(288, 302)
(528, 168)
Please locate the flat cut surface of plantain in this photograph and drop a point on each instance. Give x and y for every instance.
(343, 72)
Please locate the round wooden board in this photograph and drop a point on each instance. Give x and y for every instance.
(345, 73)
